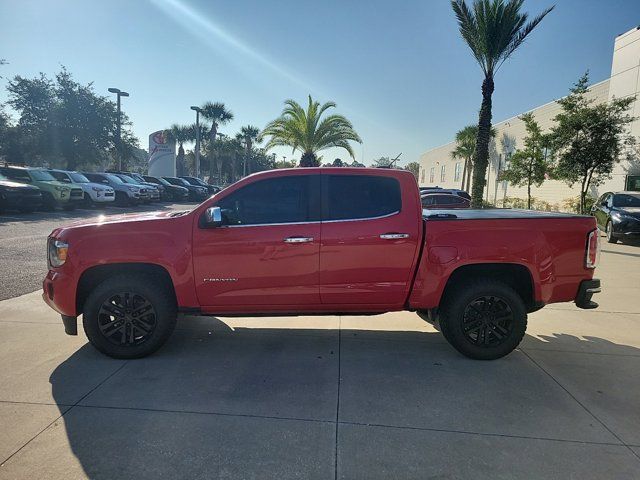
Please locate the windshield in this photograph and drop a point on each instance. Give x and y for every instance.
(42, 176)
(113, 178)
(79, 178)
(626, 200)
(127, 179)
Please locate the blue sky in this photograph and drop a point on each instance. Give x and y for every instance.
(398, 69)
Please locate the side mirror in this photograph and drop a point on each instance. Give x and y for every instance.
(212, 217)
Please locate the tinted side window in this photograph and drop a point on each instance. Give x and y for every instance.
(288, 199)
(17, 174)
(360, 196)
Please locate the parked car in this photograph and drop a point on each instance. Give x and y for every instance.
(139, 179)
(302, 241)
(212, 189)
(54, 193)
(443, 201)
(152, 190)
(453, 191)
(196, 193)
(94, 193)
(174, 193)
(618, 214)
(18, 196)
(126, 194)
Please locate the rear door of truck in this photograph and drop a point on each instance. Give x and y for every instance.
(371, 231)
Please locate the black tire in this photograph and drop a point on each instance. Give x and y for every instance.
(122, 199)
(483, 319)
(48, 202)
(110, 321)
(86, 201)
(611, 238)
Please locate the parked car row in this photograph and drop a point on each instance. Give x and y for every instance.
(442, 198)
(27, 188)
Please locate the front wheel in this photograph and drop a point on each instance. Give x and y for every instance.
(483, 319)
(611, 238)
(129, 316)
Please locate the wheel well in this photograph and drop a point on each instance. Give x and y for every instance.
(93, 276)
(516, 276)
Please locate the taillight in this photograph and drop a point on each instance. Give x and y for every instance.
(592, 255)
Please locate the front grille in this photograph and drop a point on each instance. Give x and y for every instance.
(109, 194)
(76, 193)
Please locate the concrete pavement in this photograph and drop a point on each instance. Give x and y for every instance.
(328, 397)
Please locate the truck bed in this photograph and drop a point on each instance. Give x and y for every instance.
(493, 213)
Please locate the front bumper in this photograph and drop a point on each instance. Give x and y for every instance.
(587, 289)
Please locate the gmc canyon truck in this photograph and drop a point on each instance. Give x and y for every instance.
(347, 241)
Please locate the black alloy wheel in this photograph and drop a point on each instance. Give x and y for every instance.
(127, 318)
(487, 321)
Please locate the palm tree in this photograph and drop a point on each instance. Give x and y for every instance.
(249, 135)
(305, 131)
(218, 115)
(465, 148)
(179, 134)
(493, 30)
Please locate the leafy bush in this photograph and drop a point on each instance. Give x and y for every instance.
(515, 202)
(573, 204)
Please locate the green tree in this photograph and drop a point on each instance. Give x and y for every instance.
(493, 30)
(309, 133)
(180, 134)
(465, 149)
(382, 162)
(250, 135)
(413, 167)
(529, 165)
(218, 115)
(64, 123)
(589, 139)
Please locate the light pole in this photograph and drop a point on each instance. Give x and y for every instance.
(198, 111)
(119, 93)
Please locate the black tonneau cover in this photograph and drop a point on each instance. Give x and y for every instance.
(491, 213)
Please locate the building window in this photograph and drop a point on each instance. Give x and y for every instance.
(443, 172)
(432, 174)
(422, 176)
(458, 172)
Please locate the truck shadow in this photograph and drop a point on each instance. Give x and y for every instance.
(217, 401)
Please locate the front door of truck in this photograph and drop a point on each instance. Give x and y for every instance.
(369, 239)
(267, 250)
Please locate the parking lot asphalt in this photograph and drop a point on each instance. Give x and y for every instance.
(378, 397)
(23, 239)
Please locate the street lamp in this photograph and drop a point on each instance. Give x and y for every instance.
(119, 93)
(198, 111)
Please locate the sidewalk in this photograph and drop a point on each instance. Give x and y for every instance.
(328, 397)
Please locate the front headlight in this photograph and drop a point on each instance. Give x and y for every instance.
(57, 252)
(133, 189)
(97, 189)
(61, 189)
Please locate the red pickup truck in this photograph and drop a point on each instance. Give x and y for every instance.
(319, 241)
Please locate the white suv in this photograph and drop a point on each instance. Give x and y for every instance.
(94, 193)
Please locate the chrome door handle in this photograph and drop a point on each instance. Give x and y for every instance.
(298, 239)
(394, 236)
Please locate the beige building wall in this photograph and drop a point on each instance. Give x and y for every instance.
(437, 167)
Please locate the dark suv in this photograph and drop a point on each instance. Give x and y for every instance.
(18, 196)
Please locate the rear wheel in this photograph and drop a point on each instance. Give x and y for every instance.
(129, 316)
(483, 319)
(48, 202)
(611, 238)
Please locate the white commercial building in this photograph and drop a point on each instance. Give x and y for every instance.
(437, 167)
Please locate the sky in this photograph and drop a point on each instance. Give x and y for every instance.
(398, 70)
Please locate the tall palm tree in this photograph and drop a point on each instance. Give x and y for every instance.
(308, 133)
(465, 148)
(249, 135)
(179, 134)
(493, 30)
(218, 115)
